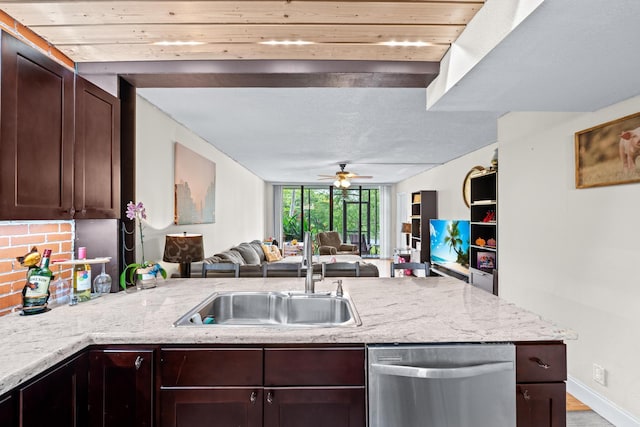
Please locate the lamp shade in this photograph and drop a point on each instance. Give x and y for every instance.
(406, 227)
(183, 248)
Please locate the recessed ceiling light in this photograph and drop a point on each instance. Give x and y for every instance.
(287, 42)
(177, 43)
(394, 43)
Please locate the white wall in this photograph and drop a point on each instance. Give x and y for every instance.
(447, 180)
(572, 255)
(240, 195)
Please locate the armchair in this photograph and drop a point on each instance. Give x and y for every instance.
(330, 244)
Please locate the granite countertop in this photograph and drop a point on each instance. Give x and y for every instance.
(411, 310)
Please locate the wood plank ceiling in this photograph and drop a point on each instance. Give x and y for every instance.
(113, 31)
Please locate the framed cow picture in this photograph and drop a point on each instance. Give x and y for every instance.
(607, 154)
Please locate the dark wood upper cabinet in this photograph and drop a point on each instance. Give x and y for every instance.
(96, 152)
(36, 134)
(59, 140)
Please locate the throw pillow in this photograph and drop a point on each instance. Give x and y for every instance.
(248, 253)
(232, 256)
(269, 256)
(257, 246)
(276, 252)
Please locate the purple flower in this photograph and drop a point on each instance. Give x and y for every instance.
(136, 211)
(131, 210)
(141, 210)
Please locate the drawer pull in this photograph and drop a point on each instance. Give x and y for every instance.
(540, 363)
(269, 398)
(138, 362)
(526, 395)
(253, 397)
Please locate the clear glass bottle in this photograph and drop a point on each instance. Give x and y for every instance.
(61, 286)
(82, 277)
(36, 292)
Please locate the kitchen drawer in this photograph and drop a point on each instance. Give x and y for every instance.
(541, 363)
(314, 366)
(180, 367)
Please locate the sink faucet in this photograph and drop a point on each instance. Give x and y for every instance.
(309, 281)
(339, 291)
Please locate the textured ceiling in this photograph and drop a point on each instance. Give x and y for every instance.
(295, 134)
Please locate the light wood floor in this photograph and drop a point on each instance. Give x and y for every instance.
(574, 404)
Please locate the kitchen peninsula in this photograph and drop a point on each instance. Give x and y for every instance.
(399, 310)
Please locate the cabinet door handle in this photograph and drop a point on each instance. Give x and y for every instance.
(526, 395)
(138, 362)
(540, 363)
(253, 397)
(269, 398)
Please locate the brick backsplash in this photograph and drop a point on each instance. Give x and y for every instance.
(16, 239)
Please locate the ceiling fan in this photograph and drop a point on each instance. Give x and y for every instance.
(343, 178)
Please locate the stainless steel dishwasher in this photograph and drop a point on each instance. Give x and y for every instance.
(448, 385)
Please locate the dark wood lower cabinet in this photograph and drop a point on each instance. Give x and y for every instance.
(58, 398)
(541, 372)
(121, 388)
(237, 407)
(255, 387)
(541, 405)
(309, 407)
(7, 411)
(242, 387)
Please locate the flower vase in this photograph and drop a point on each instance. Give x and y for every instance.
(145, 280)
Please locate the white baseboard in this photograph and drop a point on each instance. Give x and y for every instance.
(600, 404)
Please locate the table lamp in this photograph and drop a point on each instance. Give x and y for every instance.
(183, 249)
(406, 229)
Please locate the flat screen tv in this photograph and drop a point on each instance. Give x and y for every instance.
(449, 244)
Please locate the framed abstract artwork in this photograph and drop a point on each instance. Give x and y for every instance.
(606, 154)
(195, 187)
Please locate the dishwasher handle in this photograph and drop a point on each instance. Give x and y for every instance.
(441, 373)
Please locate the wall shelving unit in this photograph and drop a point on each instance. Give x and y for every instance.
(483, 256)
(424, 206)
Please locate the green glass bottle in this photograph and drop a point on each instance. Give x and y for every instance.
(35, 294)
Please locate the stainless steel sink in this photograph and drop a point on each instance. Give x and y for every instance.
(272, 309)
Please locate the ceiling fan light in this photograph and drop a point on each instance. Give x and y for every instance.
(341, 183)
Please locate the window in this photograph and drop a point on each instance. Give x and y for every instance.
(354, 213)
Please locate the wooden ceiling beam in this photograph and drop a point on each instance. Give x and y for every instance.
(137, 52)
(267, 73)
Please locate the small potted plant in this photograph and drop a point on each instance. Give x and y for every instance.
(143, 274)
